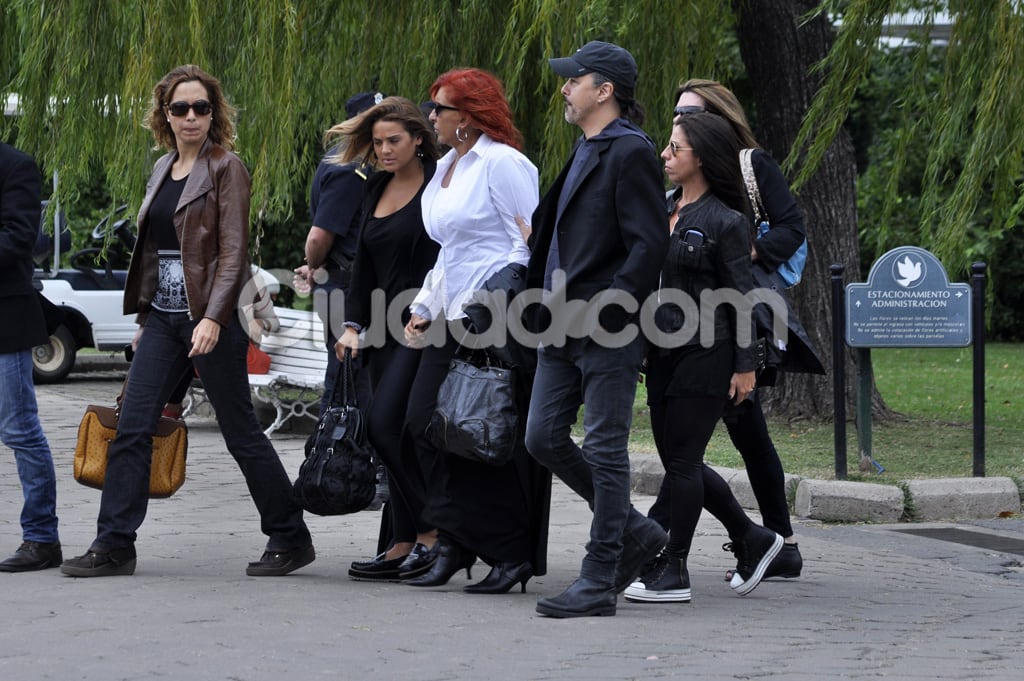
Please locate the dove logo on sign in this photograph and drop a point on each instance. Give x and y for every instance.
(908, 271)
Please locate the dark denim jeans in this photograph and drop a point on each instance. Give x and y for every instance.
(605, 380)
(20, 430)
(158, 364)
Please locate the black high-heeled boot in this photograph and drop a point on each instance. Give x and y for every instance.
(501, 579)
(450, 559)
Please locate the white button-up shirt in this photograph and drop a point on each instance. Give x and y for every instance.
(473, 219)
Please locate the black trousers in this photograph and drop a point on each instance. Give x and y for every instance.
(392, 370)
(483, 508)
(749, 432)
(159, 363)
(682, 428)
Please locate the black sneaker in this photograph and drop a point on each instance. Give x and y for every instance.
(787, 564)
(666, 581)
(754, 553)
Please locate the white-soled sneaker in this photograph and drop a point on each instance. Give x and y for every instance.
(666, 581)
(754, 553)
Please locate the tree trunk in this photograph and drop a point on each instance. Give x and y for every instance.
(779, 52)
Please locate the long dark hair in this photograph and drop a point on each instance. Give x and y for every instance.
(714, 143)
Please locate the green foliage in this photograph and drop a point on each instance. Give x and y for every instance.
(892, 138)
(933, 438)
(85, 70)
(962, 122)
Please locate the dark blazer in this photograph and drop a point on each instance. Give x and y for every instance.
(612, 233)
(20, 185)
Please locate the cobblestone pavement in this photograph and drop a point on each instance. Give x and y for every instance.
(872, 602)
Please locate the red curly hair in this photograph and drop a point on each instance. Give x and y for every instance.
(481, 96)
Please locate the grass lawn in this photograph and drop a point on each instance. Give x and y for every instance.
(931, 389)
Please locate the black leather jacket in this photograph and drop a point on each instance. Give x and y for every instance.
(709, 253)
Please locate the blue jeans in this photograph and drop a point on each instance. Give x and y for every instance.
(159, 362)
(605, 380)
(20, 430)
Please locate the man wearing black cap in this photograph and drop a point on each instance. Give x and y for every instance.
(334, 201)
(599, 235)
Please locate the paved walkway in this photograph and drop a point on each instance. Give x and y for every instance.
(873, 603)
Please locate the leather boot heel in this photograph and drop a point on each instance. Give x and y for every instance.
(501, 579)
(450, 559)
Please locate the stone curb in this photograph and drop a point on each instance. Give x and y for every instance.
(945, 498)
(846, 501)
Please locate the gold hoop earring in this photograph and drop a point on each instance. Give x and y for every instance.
(459, 134)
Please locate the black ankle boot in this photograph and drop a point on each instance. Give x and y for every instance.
(583, 598)
(501, 579)
(450, 559)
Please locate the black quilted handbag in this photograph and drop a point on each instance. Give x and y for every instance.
(476, 416)
(339, 475)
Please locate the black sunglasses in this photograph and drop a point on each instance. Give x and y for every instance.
(200, 106)
(441, 107)
(680, 110)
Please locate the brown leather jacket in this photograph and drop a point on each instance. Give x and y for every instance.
(212, 222)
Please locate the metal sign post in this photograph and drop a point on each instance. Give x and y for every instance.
(908, 302)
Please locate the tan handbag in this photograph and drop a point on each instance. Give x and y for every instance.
(97, 431)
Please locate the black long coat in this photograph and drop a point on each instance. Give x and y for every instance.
(23, 326)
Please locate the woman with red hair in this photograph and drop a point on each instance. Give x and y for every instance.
(482, 188)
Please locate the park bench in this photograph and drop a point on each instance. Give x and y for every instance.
(298, 360)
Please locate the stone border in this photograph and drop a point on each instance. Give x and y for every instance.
(844, 501)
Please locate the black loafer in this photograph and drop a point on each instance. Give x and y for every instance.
(419, 561)
(101, 563)
(33, 555)
(379, 569)
(277, 563)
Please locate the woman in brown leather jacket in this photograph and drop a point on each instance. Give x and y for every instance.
(184, 283)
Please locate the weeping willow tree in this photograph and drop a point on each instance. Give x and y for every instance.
(83, 71)
(969, 128)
